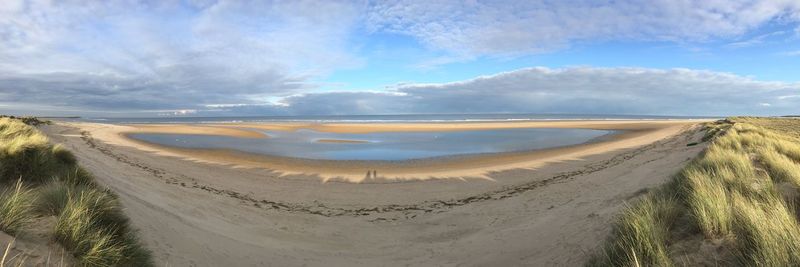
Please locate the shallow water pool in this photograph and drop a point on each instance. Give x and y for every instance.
(382, 146)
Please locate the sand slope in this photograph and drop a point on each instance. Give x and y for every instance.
(192, 213)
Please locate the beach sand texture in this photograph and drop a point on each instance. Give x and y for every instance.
(635, 133)
(217, 208)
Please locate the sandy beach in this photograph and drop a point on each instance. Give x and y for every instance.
(193, 129)
(550, 207)
(633, 133)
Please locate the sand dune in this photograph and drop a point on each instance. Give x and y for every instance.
(194, 213)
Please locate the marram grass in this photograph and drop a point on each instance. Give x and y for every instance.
(767, 233)
(642, 233)
(16, 208)
(729, 192)
(707, 201)
(781, 168)
(90, 223)
(25, 153)
(80, 229)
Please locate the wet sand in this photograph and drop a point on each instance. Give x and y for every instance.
(340, 141)
(193, 129)
(191, 213)
(457, 126)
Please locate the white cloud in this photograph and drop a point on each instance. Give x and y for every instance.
(791, 53)
(518, 27)
(788, 97)
(584, 90)
(261, 57)
(757, 40)
(167, 55)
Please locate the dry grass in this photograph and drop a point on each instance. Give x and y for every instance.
(730, 193)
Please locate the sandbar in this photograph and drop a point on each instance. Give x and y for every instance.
(341, 141)
(193, 129)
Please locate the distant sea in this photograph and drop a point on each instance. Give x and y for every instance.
(391, 118)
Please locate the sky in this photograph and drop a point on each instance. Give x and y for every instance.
(261, 58)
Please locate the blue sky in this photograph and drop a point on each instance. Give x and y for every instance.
(218, 57)
(392, 58)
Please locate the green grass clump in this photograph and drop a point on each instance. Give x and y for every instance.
(717, 159)
(780, 167)
(91, 226)
(16, 208)
(707, 201)
(54, 195)
(641, 233)
(767, 232)
(730, 191)
(90, 222)
(77, 229)
(26, 153)
(63, 155)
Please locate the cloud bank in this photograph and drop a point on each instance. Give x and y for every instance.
(143, 55)
(478, 28)
(268, 57)
(583, 90)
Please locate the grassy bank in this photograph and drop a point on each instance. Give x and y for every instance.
(735, 204)
(39, 179)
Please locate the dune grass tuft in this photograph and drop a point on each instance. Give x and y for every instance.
(90, 222)
(719, 160)
(767, 232)
(91, 243)
(707, 201)
(92, 226)
(788, 148)
(781, 168)
(16, 208)
(730, 192)
(26, 153)
(54, 195)
(642, 232)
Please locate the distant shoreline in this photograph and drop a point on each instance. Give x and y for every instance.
(399, 118)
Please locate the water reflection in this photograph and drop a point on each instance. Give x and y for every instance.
(382, 146)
